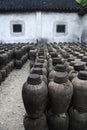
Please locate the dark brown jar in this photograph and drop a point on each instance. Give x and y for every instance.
(40, 65)
(80, 91)
(58, 68)
(80, 56)
(0, 77)
(31, 63)
(32, 54)
(43, 61)
(3, 72)
(57, 61)
(35, 124)
(40, 60)
(77, 67)
(50, 60)
(57, 122)
(32, 57)
(18, 64)
(18, 53)
(54, 62)
(78, 121)
(60, 92)
(53, 54)
(34, 94)
(3, 59)
(50, 67)
(68, 61)
(65, 55)
(41, 71)
(70, 65)
(84, 59)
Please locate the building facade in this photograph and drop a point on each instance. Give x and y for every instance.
(42, 20)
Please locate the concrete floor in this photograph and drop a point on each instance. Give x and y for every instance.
(11, 106)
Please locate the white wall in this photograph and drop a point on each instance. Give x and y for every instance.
(41, 25)
(72, 22)
(30, 27)
(84, 29)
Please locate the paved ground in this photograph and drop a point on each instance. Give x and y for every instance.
(11, 105)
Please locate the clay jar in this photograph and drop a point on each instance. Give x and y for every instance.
(32, 57)
(57, 122)
(77, 67)
(57, 61)
(40, 65)
(34, 94)
(53, 54)
(68, 61)
(60, 92)
(40, 60)
(35, 124)
(58, 68)
(70, 66)
(84, 59)
(80, 91)
(78, 121)
(41, 71)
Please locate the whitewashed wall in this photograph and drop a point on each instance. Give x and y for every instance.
(30, 27)
(84, 29)
(41, 25)
(72, 22)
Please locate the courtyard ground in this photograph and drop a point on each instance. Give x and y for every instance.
(11, 106)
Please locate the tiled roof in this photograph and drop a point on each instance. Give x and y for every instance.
(83, 10)
(39, 5)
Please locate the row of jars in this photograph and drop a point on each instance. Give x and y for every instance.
(35, 93)
(60, 92)
(6, 63)
(20, 56)
(65, 75)
(10, 55)
(75, 64)
(46, 103)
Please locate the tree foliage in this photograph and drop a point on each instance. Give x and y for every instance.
(82, 2)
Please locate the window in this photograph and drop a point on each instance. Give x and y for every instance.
(17, 28)
(60, 28)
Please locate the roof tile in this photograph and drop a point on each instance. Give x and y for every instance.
(42, 5)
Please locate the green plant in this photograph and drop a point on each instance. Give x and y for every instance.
(82, 2)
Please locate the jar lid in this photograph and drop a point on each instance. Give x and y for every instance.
(72, 63)
(65, 55)
(75, 54)
(40, 65)
(57, 61)
(41, 53)
(2, 51)
(34, 79)
(53, 54)
(71, 59)
(79, 66)
(61, 78)
(41, 57)
(84, 58)
(60, 68)
(37, 71)
(40, 60)
(80, 56)
(82, 75)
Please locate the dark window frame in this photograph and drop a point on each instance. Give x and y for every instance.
(20, 32)
(17, 28)
(60, 28)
